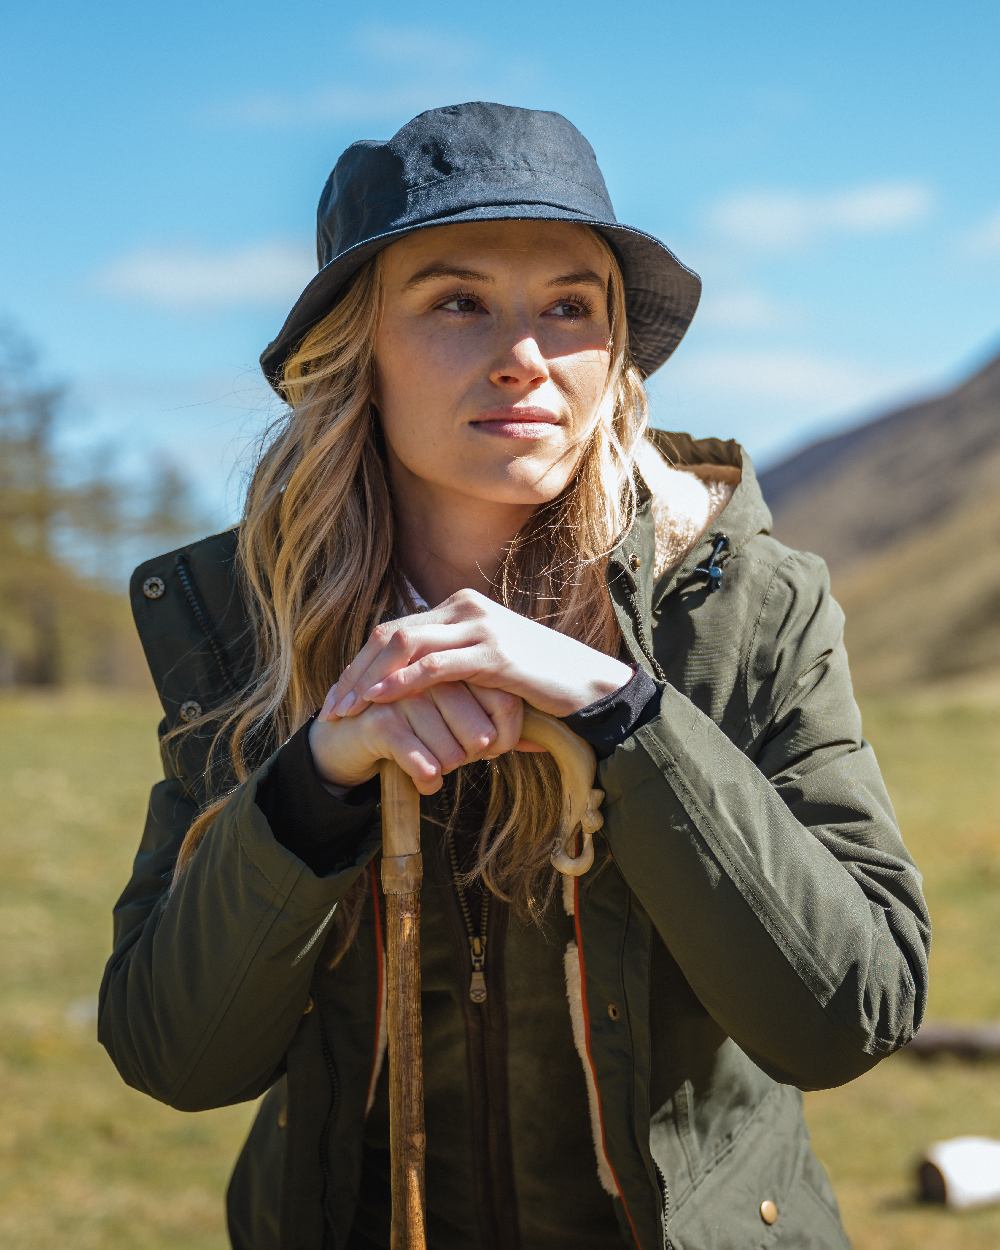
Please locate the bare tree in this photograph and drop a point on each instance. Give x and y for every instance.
(63, 521)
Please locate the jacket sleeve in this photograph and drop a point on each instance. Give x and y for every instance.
(777, 876)
(206, 984)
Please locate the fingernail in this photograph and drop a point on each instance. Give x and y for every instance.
(376, 689)
(346, 703)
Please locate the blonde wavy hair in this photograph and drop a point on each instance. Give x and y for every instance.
(317, 569)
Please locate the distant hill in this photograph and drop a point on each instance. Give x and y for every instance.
(906, 511)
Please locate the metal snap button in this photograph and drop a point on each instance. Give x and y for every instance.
(153, 587)
(634, 561)
(189, 710)
(614, 1012)
(768, 1211)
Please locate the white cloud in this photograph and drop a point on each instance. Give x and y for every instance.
(744, 310)
(816, 383)
(880, 206)
(396, 74)
(780, 219)
(190, 277)
(409, 46)
(983, 242)
(365, 104)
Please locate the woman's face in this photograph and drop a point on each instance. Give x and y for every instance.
(491, 358)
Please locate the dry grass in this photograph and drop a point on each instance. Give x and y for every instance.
(89, 1164)
(939, 755)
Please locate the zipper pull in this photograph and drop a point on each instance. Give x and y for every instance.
(477, 985)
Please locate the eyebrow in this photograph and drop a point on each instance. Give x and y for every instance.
(437, 269)
(579, 277)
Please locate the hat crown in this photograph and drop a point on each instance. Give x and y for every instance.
(456, 159)
(482, 162)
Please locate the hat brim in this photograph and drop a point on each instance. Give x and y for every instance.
(661, 293)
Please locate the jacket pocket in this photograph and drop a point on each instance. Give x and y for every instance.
(751, 1195)
(812, 1222)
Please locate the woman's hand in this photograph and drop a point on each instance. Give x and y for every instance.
(427, 734)
(471, 638)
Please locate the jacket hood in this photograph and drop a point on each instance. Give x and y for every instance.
(690, 490)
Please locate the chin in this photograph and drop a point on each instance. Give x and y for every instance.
(524, 488)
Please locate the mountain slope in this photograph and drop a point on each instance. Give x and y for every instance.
(906, 511)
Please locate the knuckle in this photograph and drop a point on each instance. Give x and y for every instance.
(385, 721)
(507, 703)
(468, 597)
(383, 632)
(401, 639)
(433, 663)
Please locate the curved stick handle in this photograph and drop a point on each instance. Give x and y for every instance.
(577, 765)
(581, 799)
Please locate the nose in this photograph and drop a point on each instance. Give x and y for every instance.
(520, 362)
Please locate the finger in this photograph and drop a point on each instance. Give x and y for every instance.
(460, 663)
(391, 736)
(465, 717)
(431, 727)
(506, 711)
(326, 711)
(523, 744)
(397, 633)
(393, 646)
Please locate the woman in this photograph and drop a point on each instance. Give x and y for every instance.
(463, 510)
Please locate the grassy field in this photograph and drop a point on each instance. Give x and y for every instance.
(88, 1164)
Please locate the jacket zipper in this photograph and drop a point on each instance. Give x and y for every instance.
(712, 571)
(665, 1213)
(477, 941)
(201, 616)
(491, 1145)
(635, 612)
(640, 632)
(324, 1151)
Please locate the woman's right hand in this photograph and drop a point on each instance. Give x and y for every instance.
(427, 734)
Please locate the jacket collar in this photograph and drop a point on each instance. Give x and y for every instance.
(633, 562)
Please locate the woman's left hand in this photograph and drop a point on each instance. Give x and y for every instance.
(471, 638)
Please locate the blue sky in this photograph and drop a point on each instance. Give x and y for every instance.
(830, 171)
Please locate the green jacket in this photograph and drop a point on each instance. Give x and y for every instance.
(760, 929)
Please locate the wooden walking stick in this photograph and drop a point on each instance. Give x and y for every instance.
(402, 871)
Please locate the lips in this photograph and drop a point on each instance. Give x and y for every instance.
(507, 415)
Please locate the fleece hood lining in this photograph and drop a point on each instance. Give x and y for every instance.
(685, 501)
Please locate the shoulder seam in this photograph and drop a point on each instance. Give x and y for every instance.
(751, 651)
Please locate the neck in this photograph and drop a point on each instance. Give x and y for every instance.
(448, 541)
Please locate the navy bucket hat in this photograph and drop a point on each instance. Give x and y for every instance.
(483, 162)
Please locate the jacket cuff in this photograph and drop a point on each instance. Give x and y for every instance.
(608, 721)
(325, 831)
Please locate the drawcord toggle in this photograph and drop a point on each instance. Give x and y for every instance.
(711, 570)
